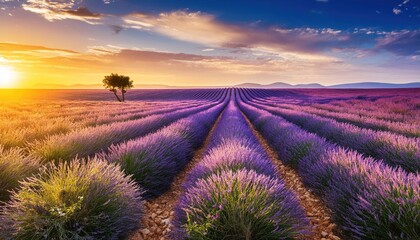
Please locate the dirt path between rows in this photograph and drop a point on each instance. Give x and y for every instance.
(318, 214)
(159, 211)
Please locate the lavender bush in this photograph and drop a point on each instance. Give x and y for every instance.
(373, 201)
(233, 156)
(239, 205)
(15, 165)
(76, 200)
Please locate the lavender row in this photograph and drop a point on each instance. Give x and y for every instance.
(38, 130)
(232, 146)
(86, 116)
(104, 118)
(372, 110)
(390, 105)
(90, 140)
(394, 149)
(233, 192)
(386, 120)
(369, 199)
(135, 109)
(399, 108)
(60, 115)
(63, 109)
(155, 159)
(178, 94)
(407, 129)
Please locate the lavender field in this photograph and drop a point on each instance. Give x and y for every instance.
(226, 163)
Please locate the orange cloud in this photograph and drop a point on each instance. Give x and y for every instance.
(60, 66)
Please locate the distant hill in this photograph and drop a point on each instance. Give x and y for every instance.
(346, 85)
(309, 85)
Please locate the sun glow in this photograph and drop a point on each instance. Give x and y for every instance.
(8, 77)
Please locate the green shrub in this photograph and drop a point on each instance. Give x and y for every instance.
(76, 200)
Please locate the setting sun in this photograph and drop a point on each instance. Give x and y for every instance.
(8, 77)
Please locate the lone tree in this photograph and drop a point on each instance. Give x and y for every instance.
(114, 82)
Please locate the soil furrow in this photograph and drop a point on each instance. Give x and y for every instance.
(318, 214)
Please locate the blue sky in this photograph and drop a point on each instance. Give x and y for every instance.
(339, 14)
(193, 42)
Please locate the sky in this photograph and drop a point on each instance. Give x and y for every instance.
(56, 43)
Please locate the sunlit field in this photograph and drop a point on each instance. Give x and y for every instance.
(209, 120)
(241, 163)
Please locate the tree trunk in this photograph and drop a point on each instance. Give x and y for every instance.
(115, 93)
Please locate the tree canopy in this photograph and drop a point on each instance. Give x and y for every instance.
(115, 82)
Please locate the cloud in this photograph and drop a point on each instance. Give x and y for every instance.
(396, 11)
(116, 29)
(196, 26)
(82, 12)
(192, 27)
(401, 43)
(20, 48)
(153, 56)
(297, 45)
(28, 56)
(59, 10)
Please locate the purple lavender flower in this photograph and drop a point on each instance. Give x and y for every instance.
(268, 211)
